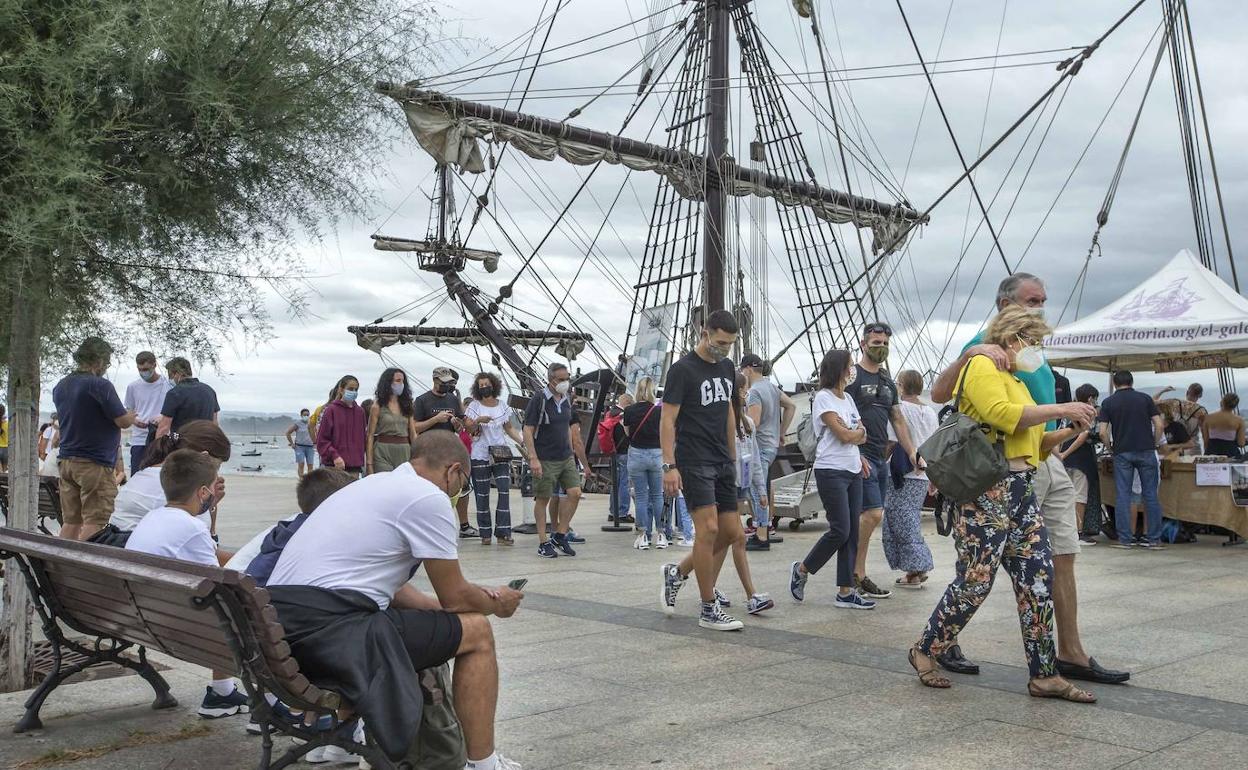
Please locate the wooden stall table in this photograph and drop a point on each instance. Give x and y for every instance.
(1183, 500)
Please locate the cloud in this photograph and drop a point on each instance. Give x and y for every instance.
(1150, 220)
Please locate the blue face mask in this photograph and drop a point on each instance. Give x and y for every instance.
(397, 388)
(349, 395)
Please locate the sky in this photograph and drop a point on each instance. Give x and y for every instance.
(1046, 222)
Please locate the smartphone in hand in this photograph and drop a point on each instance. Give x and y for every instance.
(518, 584)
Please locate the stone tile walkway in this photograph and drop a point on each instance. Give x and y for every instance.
(595, 676)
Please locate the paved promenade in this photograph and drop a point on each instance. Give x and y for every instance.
(595, 676)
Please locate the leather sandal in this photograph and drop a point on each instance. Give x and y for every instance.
(930, 677)
(1070, 693)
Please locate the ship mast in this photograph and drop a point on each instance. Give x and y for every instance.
(715, 197)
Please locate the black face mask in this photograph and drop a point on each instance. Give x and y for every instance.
(487, 391)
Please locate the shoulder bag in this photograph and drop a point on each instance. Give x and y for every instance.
(962, 461)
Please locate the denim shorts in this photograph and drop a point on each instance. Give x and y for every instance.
(875, 486)
(305, 453)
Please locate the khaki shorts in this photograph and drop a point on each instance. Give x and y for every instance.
(1080, 481)
(1056, 495)
(88, 491)
(561, 472)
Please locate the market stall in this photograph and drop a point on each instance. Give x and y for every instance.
(1181, 318)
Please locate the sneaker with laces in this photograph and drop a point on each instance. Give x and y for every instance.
(467, 530)
(561, 542)
(754, 544)
(574, 538)
(642, 543)
(660, 540)
(714, 618)
(216, 706)
(500, 763)
(672, 581)
(759, 603)
(797, 581)
(721, 598)
(547, 550)
(684, 542)
(852, 601)
(868, 588)
(1158, 546)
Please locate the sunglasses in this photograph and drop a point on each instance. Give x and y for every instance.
(878, 328)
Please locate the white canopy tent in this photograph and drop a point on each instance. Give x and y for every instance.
(1182, 317)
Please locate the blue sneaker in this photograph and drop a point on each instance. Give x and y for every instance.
(852, 601)
(324, 722)
(797, 581)
(561, 542)
(547, 550)
(672, 581)
(574, 538)
(216, 706)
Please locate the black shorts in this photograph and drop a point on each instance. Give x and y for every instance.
(710, 485)
(432, 637)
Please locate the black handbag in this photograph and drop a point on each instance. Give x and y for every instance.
(961, 460)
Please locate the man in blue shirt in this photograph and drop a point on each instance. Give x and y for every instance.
(91, 421)
(1131, 419)
(1054, 492)
(553, 447)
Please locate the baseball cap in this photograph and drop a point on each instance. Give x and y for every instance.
(752, 361)
(445, 374)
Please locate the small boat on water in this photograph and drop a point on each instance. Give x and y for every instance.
(260, 441)
(252, 453)
(251, 468)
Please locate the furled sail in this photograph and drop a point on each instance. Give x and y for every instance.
(450, 129)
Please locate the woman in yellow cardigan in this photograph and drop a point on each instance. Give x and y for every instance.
(1004, 526)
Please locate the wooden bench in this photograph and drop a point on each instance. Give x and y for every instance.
(49, 502)
(204, 615)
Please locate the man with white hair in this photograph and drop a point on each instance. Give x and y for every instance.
(1054, 492)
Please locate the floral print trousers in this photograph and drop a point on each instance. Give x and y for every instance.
(1003, 527)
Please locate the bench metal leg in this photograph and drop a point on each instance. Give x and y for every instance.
(164, 699)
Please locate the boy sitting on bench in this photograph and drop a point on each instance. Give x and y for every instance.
(341, 591)
(175, 531)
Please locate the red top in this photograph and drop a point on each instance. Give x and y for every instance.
(340, 433)
(465, 437)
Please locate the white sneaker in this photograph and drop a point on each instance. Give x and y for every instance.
(501, 762)
(681, 542)
(660, 540)
(331, 755)
(642, 543)
(364, 765)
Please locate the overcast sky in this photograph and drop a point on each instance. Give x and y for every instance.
(1150, 221)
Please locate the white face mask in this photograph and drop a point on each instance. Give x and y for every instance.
(1036, 311)
(562, 388)
(1029, 359)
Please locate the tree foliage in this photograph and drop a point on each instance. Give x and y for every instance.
(158, 156)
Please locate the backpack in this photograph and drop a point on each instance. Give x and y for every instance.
(807, 436)
(962, 461)
(606, 434)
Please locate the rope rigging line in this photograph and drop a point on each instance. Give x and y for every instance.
(1069, 69)
(944, 116)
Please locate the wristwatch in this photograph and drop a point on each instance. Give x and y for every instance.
(668, 467)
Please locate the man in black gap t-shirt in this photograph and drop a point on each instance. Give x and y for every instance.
(697, 433)
(441, 409)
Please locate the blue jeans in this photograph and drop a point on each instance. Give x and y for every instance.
(1126, 465)
(875, 487)
(762, 516)
(621, 477)
(646, 471)
(136, 457)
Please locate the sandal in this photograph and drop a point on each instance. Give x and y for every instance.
(931, 677)
(910, 582)
(1069, 692)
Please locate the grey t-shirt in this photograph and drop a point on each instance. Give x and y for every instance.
(766, 393)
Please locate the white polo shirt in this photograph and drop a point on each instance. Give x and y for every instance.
(371, 536)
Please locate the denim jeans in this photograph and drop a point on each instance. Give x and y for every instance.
(621, 476)
(646, 472)
(1126, 465)
(841, 494)
(762, 516)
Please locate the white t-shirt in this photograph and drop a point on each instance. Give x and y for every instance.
(49, 433)
(138, 497)
(174, 533)
(394, 520)
(922, 422)
(831, 452)
(492, 433)
(146, 399)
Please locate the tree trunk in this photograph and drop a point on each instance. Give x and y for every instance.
(25, 328)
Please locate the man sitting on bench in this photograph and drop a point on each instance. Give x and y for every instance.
(175, 531)
(341, 591)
